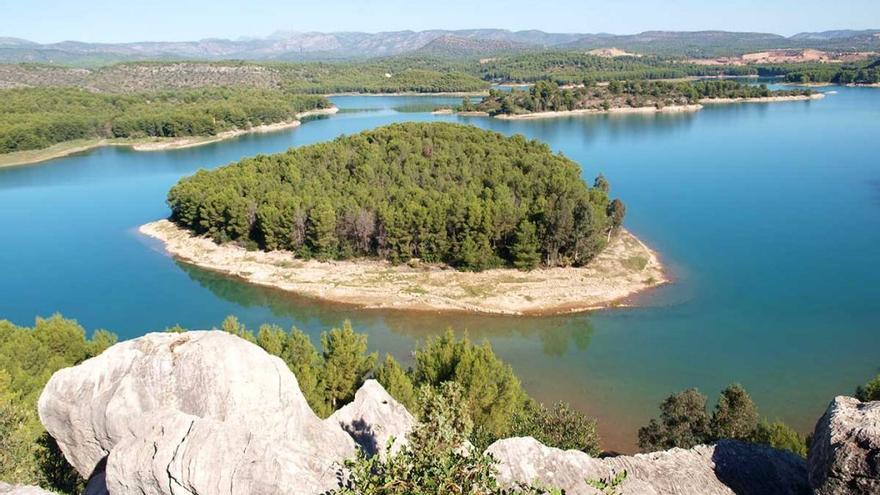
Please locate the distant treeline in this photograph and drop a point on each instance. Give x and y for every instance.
(547, 96)
(578, 67)
(867, 73)
(35, 118)
(440, 192)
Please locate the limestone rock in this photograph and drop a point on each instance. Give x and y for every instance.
(89, 408)
(727, 467)
(7, 489)
(845, 453)
(180, 454)
(373, 418)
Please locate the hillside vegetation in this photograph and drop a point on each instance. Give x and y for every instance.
(314, 77)
(35, 118)
(440, 192)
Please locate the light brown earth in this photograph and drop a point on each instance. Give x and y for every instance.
(626, 266)
(793, 56)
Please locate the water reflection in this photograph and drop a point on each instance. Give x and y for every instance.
(557, 335)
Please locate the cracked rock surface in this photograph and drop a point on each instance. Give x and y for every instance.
(726, 468)
(845, 453)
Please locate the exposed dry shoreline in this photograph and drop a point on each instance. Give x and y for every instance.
(624, 268)
(651, 109)
(764, 99)
(590, 111)
(149, 144)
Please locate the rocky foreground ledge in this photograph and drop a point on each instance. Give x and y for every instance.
(207, 413)
(624, 268)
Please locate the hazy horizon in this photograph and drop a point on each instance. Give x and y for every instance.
(51, 21)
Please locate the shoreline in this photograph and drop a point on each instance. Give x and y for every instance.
(652, 109)
(60, 150)
(624, 268)
(763, 99)
(412, 93)
(593, 111)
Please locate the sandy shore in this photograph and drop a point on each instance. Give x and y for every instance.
(590, 111)
(624, 268)
(149, 144)
(765, 99)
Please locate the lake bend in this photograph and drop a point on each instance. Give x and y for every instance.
(767, 216)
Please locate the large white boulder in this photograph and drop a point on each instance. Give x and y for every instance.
(213, 375)
(179, 454)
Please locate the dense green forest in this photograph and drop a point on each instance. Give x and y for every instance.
(443, 193)
(571, 67)
(834, 73)
(547, 96)
(34, 118)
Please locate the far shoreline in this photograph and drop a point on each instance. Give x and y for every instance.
(67, 148)
(649, 109)
(625, 268)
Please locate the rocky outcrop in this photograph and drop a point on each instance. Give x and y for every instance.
(373, 418)
(7, 489)
(215, 376)
(729, 467)
(180, 454)
(207, 413)
(845, 452)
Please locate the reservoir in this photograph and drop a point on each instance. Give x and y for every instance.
(767, 215)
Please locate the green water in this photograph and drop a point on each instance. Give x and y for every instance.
(767, 215)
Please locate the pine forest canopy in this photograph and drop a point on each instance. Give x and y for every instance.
(443, 193)
(547, 96)
(35, 118)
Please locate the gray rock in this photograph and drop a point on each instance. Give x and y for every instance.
(91, 407)
(373, 418)
(180, 454)
(7, 489)
(845, 452)
(728, 467)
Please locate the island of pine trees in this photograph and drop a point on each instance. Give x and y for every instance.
(439, 192)
(548, 96)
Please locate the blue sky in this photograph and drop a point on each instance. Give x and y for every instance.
(167, 20)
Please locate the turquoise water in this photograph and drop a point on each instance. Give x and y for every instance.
(767, 215)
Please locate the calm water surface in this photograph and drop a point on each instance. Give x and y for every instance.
(767, 215)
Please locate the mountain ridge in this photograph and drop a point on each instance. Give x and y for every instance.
(314, 45)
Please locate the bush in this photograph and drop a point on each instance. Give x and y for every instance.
(869, 391)
(560, 426)
(780, 436)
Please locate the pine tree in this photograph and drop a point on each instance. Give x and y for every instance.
(346, 364)
(525, 249)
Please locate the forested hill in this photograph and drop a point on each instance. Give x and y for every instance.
(35, 118)
(444, 193)
(547, 96)
(379, 76)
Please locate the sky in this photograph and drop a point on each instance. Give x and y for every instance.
(48, 21)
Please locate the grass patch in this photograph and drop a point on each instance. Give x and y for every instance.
(637, 263)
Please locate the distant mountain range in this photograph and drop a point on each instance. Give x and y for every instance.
(284, 45)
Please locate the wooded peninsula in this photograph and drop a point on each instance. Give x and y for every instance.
(546, 98)
(382, 215)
